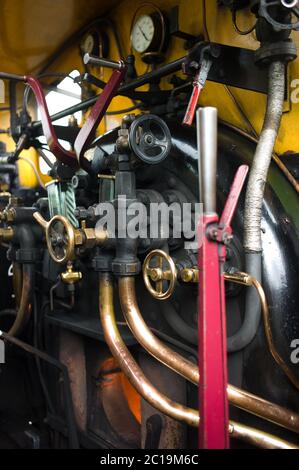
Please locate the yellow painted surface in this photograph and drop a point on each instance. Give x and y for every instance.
(32, 30)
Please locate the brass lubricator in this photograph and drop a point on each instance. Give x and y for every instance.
(70, 277)
(63, 238)
(158, 268)
(6, 234)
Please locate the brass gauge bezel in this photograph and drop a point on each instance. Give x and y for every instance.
(154, 52)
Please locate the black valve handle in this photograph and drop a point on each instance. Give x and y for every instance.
(150, 139)
(289, 5)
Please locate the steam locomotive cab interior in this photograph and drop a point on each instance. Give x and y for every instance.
(149, 219)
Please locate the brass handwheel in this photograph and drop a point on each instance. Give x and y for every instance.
(154, 271)
(60, 237)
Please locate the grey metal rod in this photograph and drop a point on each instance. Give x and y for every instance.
(100, 62)
(207, 137)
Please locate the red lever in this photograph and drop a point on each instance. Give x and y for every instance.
(198, 85)
(69, 158)
(190, 113)
(233, 198)
(87, 132)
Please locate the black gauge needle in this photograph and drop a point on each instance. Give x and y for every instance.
(143, 34)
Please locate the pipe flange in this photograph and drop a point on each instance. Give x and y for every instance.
(120, 268)
(285, 51)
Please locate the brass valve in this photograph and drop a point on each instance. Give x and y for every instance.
(157, 274)
(71, 277)
(63, 238)
(154, 271)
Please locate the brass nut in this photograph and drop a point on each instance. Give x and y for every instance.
(189, 275)
(10, 215)
(79, 237)
(6, 234)
(90, 238)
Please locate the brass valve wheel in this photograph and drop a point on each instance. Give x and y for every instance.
(154, 272)
(60, 237)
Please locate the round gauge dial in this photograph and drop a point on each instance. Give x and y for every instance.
(88, 44)
(95, 43)
(143, 33)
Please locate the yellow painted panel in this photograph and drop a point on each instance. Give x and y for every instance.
(31, 31)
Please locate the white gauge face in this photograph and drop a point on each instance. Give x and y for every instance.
(88, 44)
(143, 33)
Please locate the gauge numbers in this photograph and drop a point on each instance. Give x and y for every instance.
(143, 33)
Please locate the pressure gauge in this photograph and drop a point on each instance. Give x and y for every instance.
(143, 33)
(148, 33)
(96, 43)
(88, 44)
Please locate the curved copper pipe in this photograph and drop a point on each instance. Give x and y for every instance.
(247, 280)
(24, 311)
(237, 397)
(159, 401)
(258, 438)
(147, 339)
(17, 282)
(129, 366)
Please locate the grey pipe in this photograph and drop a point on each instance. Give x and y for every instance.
(207, 145)
(254, 201)
(178, 325)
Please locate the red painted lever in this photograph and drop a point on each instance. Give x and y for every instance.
(198, 86)
(190, 113)
(233, 198)
(87, 132)
(64, 156)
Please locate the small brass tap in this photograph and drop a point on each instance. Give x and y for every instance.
(71, 277)
(6, 234)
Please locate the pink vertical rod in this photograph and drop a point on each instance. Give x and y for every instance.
(213, 403)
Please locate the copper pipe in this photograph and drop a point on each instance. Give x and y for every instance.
(146, 338)
(129, 366)
(247, 280)
(237, 397)
(24, 310)
(159, 401)
(17, 282)
(258, 438)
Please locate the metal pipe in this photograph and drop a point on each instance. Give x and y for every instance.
(24, 310)
(262, 159)
(17, 282)
(146, 338)
(159, 401)
(258, 438)
(252, 317)
(253, 204)
(24, 235)
(176, 322)
(129, 366)
(237, 397)
(207, 143)
(247, 280)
